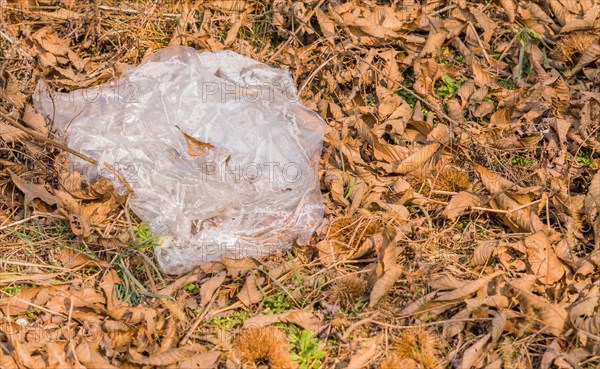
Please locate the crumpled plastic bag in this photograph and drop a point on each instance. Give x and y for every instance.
(221, 154)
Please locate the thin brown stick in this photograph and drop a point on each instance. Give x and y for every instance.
(40, 137)
(120, 176)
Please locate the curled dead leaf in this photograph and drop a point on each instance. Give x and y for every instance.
(460, 204)
(172, 356)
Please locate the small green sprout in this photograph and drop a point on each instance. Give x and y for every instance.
(306, 348)
(447, 86)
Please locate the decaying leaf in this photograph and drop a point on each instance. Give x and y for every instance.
(302, 318)
(592, 207)
(517, 217)
(542, 258)
(551, 317)
(250, 294)
(467, 289)
(460, 204)
(172, 356)
(365, 353)
(195, 146)
(388, 271)
(72, 258)
(208, 288)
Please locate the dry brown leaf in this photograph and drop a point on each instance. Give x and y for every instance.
(6, 361)
(205, 360)
(425, 72)
(303, 318)
(473, 355)
(262, 320)
(48, 39)
(172, 356)
(249, 294)
(542, 259)
(468, 289)
(551, 317)
(457, 323)
(65, 301)
(72, 258)
(56, 354)
(33, 191)
(480, 76)
(208, 288)
(9, 133)
(435, 40)
(388, 271)
(498, 186)
(10, 278)
(237, 267)
(510, 9)
(28, 299)
(119, 310)
(35, 120)
(388, 105)
(592, 207)
(98, 212)
(417, 159)
(195, 147)
(365, 353)
(446, 281)
(327, 25)
(582, 24)
(584, 316)
(460, 204)
(483, 252)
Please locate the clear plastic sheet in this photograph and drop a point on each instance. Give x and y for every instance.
(251, 190)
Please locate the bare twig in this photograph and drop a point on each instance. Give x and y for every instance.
(40, 137)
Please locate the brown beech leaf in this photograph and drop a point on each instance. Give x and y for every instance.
(584, 315)
(542, 259)
(195, 147)
(208, 288)
(592, 207)
(33, 191)
(72, 258)
(497, 186)
(460, 204)
(28, 299)
(327, 25)
(172, 356)
(388, 271)
(425, 72)
(205, 360)
(435, 40)
(35, 120)
(483, 252)
(417, 159)
(303, 318)
(249, 294)
(468, 288)
(473, 354)
(237, 267)
(9, 133)
(510, 9)
(552, 318)
(365, 353)
(88, 353)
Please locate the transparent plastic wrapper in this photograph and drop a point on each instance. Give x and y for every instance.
(219, 150)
